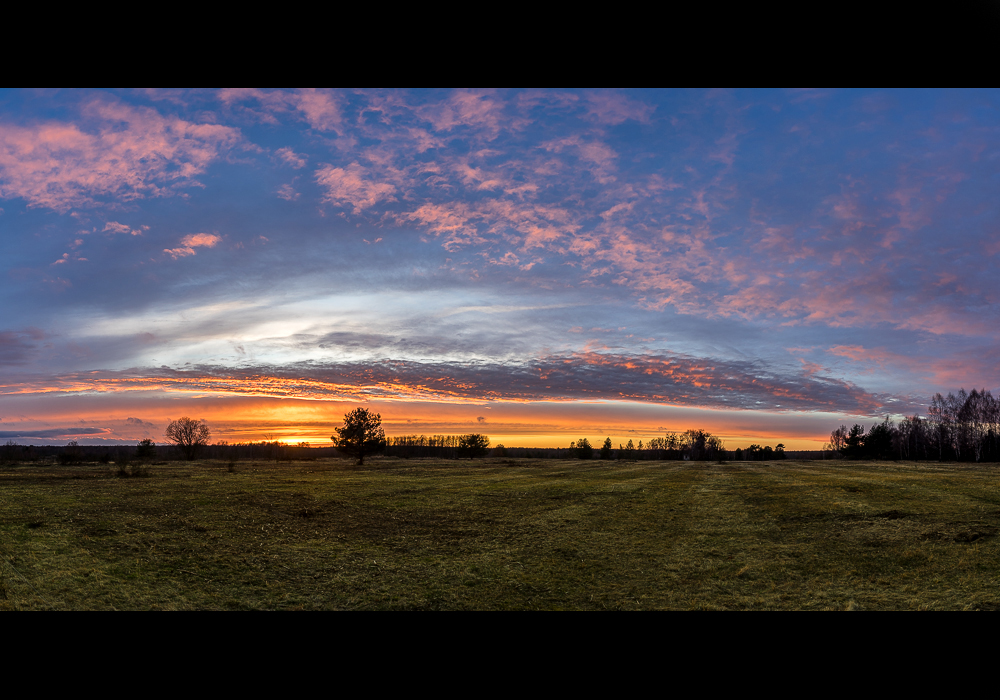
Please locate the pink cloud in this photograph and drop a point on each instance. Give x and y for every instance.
(290, 157)
(121, 152)
(599, 155)
(615, 108)
(528, 225)
(478, 110)
(352, 186)
(201, 239)
(192, 241)
(319, 108)
(288, 193)
(951, 371)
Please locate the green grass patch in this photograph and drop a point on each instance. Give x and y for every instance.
(511, 534)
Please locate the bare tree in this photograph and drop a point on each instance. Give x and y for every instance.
(188, 434)
(838, 441)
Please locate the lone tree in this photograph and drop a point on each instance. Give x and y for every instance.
(362, 434)
(474, 445)
(188, 434)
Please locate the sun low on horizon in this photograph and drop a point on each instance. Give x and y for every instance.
(538, 266)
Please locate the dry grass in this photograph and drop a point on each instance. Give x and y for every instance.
(511, 534)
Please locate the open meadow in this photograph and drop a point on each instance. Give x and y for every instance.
(501, 534)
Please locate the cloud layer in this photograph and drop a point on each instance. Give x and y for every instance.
(659, 379)
(789, 251)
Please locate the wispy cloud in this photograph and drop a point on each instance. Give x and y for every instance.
(289, 157)
(19, 347)
(615, 108)
(115, 227)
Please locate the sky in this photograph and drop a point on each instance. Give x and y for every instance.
(536, 265)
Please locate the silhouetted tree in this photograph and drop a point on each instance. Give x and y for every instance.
(189, 435)
(361, 434)
(474, 445)
(630, 451)
(714, 448)
(606, 449)
(878, 441)
(695, 443)
(855, 443)
(838, 441)
(911, 438)
(584, 450)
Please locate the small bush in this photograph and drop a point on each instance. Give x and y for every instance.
(129, 470)
(145, 451)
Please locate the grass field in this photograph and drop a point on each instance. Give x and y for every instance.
(515, 534)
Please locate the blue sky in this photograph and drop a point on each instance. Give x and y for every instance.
(559, 264)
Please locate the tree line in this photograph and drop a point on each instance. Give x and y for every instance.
(962, 427)
(441, 446)
(694, 445)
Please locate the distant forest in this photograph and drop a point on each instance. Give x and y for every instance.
(963, 427)
(695, 445)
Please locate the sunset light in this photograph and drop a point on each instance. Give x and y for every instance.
(766, 265)
(500, 349)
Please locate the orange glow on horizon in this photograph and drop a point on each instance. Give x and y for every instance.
(134, 414)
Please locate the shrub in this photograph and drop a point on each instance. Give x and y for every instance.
(145, 451)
